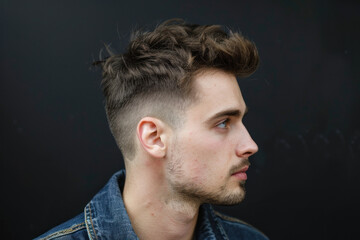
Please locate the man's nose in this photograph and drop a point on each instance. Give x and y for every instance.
(246, 145)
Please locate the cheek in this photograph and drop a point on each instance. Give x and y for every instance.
(196, 169)
(205, 156)
(204, 144)
(205, 169)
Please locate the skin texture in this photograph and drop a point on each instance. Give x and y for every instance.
(176, 170)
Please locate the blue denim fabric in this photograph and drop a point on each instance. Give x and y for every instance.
(105, 217)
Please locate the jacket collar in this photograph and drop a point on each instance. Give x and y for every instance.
(106, 216)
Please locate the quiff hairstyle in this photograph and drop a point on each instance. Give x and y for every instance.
(153, 77)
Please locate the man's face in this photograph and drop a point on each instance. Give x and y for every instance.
(209, 154)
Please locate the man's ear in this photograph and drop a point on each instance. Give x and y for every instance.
(151, 133)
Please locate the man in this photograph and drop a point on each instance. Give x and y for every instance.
(175, 110)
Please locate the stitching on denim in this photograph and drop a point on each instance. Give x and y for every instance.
(87, 222)
(65, 231)
(92, 222)
(90, 218)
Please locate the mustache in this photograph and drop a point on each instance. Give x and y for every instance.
(238, 167)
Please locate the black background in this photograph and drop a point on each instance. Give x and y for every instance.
(57, 152)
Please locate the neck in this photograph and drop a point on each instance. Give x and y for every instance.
(154, 211)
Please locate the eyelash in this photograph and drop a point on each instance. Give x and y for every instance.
(226, 121)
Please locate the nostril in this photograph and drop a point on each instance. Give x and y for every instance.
(248, 153)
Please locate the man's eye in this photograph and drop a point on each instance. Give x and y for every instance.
(223, 124)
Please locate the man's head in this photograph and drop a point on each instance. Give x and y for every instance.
(155, 76)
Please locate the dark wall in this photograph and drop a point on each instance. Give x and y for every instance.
(56, 150)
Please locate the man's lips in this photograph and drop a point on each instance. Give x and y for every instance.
(241, 174)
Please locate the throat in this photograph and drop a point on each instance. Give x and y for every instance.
(155, 210)
(165, 218)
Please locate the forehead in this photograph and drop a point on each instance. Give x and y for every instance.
(216, 91)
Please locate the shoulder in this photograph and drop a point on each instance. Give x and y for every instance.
(75, 228)
(235, 228)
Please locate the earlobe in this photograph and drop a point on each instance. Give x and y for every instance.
(151, 135)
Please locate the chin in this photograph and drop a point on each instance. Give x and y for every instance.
(228, 199)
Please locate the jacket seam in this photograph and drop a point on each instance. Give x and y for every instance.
(66, 231)
(218, 224)
(88, 217)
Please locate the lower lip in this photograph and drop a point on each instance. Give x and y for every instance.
(240, 175)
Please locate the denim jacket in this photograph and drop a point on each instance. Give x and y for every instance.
(105, 217)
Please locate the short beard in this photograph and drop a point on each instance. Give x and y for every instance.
(221, 197)
(192, 192)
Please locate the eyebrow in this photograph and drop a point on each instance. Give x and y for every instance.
(228, 112)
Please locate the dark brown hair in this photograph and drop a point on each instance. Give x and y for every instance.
(153, 77)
